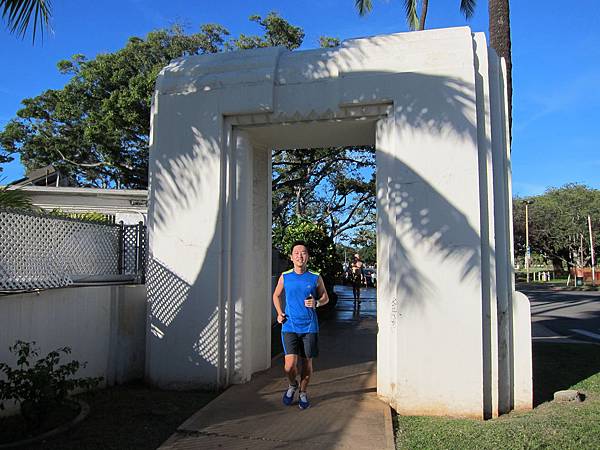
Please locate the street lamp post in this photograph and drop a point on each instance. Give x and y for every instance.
(593, 261)
(527, 250)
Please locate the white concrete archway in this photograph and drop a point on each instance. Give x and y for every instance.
(433, 104)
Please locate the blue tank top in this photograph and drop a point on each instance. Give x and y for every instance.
(300, 319)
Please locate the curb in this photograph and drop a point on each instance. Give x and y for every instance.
(84, 410)
(389, 429)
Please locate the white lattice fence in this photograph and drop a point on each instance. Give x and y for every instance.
(39, 251)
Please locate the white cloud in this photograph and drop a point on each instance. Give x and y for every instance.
(569, 95)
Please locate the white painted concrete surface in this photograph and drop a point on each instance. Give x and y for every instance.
(103, 325)
(427, 102)
(523, 369)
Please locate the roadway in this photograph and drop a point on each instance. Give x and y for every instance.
(556, 314)
(567, 316)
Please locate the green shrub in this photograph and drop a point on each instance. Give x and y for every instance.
(41, 385)
(85, 216)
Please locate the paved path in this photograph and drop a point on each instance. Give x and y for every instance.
(345, 412)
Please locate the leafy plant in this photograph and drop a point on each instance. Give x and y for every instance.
(86, 216)
(14, 198)
(41, 385)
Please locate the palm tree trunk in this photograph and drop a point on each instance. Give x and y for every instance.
(499, 15)
(424, 5)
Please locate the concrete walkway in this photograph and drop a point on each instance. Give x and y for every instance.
(345, 412)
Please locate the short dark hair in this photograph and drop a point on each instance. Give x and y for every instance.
(299, 242)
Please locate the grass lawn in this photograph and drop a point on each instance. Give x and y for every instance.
(550, 425)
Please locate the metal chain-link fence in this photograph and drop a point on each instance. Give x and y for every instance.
(39, 251)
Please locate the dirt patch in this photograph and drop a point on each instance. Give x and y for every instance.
(15, 428)
(132, 417)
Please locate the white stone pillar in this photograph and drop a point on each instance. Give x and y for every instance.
(184, 347)
(430, 358)
(249, 324)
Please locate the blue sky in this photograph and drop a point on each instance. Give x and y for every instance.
(556, 63)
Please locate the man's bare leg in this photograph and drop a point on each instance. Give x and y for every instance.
(306, 373)
(291, 369)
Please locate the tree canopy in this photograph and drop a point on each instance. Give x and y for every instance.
(334, 186)
(96, 129)
(558, 223)
(277, 31)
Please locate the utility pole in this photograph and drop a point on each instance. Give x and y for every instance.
(592, 251)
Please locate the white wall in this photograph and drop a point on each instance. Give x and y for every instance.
(103, 325)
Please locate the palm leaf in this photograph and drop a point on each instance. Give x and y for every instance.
(467, 7)
(13, 198)
(364, 6)
(412, 18)
(19, 15)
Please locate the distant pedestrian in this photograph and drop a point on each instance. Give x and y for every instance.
(357, 274)
(303, 292)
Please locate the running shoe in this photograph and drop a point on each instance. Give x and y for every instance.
(303, 402)
(288, 395)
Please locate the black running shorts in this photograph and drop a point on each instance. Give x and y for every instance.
(305, 345)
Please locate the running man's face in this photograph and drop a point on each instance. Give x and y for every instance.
(299, 256)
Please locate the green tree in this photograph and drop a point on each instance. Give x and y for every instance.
(558, 224)
(328, 42)
(18, 15)
(4, 158)
(96, 129)
(365, 243)
(276, 32)
(415, 16)
(334, 187)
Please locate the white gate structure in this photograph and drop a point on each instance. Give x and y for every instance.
(453, 337)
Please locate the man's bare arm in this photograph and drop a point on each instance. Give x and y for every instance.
(322, 293)
(277, 299)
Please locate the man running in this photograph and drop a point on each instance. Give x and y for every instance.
(303, 291)
(357, 274)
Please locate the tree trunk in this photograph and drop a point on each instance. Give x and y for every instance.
(499, 16)
(557, 266)
(424, 5)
